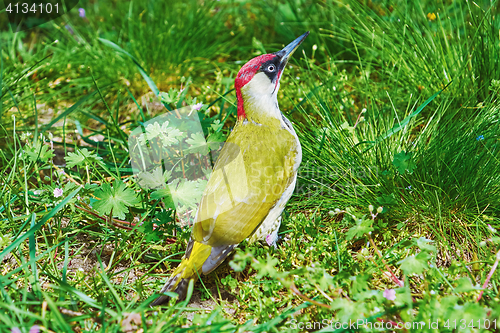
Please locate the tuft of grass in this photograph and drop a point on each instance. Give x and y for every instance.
(418, 162)
(395, 215)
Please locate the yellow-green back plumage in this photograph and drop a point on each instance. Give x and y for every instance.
(250, 176)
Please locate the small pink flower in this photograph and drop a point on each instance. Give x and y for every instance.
(81, 12)
(272, 238)
(15, 330)
(58, 192)
(197, 106)
(390, 294)
(35, 329)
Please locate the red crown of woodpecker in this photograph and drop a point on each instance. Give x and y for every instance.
(248, 71)
(246, 74)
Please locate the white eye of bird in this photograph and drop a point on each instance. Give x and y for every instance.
(271, 68)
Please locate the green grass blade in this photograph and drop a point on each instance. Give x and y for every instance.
(407, 119)
(32, 246)
(81, 296)
(68, 111)
(37, 226)
(146, 77)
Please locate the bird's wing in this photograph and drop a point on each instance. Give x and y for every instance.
(250, 175)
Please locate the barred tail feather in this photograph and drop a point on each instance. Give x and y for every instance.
(175, 284)
(189, 269)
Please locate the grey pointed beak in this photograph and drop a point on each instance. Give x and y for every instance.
(288, 50)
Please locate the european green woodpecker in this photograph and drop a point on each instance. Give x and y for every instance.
(253, 177)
